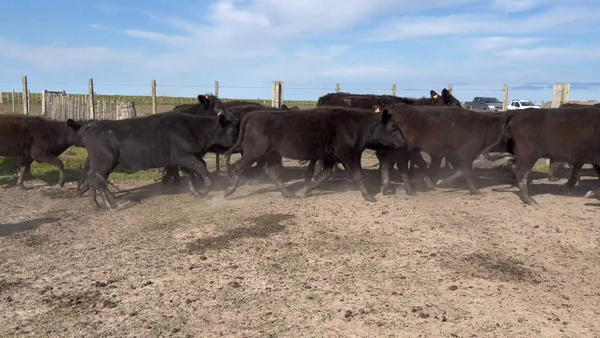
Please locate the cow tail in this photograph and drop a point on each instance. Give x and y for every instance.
(238, 143)
(506, 118)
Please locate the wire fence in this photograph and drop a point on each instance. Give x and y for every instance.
(157, 97)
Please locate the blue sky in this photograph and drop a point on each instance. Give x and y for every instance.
(365, 45)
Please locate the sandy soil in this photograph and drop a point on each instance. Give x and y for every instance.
(441, 264)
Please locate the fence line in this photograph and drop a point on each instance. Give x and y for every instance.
(98, 106)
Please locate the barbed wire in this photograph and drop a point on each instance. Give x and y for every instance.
(342, 89)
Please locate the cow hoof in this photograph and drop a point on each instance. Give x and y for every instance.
(370, 198)
(429, 183)
(21, 187)
(228, 192)
(591, 194)
(411, 193)
(388, 192)
(530, 201)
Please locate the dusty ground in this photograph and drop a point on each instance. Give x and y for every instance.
(441, 264)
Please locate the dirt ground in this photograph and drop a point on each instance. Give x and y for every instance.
(441, 264)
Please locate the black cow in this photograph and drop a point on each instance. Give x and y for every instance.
(35, 138)
(207, 105)
(562, 134)
(163, 140)
(454, 133)
(370, 101)
(236, 110)
(329, 134)
(366, 101)
(554, 166)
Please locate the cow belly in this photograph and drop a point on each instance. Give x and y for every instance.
(302, 150)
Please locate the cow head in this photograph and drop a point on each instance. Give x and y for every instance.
(445, 99)
(449, 99)
(227, 134)
(386, 131)
(211, 105)
(77, 130)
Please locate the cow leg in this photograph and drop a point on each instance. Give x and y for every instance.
(436, 162)
(554, 169)
(352, 165)
(466, 167)
(522, 170)
(25, 167)
(41, 156)
(196, 166)
(322, 177)
(310, 171)
(386, 162)
(574, 176)
(245, 162)
(83, 183)
(274, 166)
(597, 169)
(171, 172)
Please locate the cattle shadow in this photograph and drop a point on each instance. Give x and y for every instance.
(263, 227)
(13, 228)
(49, 179)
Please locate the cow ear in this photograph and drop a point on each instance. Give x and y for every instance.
(222, 118)
(73, 125)
(433, 94)
(385, 116)
(203, 100)
(284, 107)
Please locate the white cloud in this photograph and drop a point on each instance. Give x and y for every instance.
(48, 58)
(485, 23)
(545, 55)
(495, 43)
(512, 6)
(251, 42)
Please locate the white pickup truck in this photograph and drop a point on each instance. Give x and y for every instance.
(522, 104)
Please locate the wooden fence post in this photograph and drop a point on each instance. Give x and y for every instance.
(92, 112)
(217, 88)
(450, 88)
(25, 101)
(337, 87)
(566, 89)
(153, 96)
(277, 94)
(505, 100)
(44, 111)
(394, 89)
(1, 98)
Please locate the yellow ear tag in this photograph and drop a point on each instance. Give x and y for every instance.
(435, 96)
(207, 97)
(377, 110)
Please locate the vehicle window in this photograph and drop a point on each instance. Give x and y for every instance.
(527, 104)
(490, 100)
(517, 104)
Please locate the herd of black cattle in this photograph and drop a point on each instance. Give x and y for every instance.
(338, 130)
